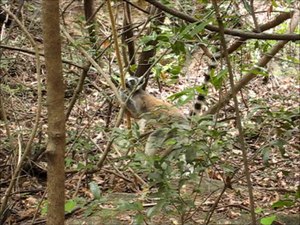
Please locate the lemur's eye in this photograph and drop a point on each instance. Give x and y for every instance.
(127, 85)
(200, 97)
(132, 83)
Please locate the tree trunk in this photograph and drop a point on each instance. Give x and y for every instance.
(90, 20)
(56, 118)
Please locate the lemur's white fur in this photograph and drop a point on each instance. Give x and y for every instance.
(159, 114)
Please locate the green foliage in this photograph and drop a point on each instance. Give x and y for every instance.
(195, 151)
(282, 203)
(218, 79)
(81, 147)
(95, 190)
(188, 94)
(174, 40)
(280, 122)
(125, 206)
(70, 205)
(44, 208)
(268, 220)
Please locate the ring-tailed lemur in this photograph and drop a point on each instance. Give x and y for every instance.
(159, 114)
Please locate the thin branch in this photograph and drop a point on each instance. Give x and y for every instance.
(251, 75)
(94, 63)
(115, 37)
(238, 117)
(269, 25)
(78, 89)
(32, 52)
(38, 113)
(233, 32)
(117, 50)
(4, 117)
(137, 7)
(145, 57)
(127, 38)
(209, 215)
(253, 16)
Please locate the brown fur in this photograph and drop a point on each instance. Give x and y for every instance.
(158, 114)
(151, 107)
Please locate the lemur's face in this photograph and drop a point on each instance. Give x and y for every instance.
(134, 82)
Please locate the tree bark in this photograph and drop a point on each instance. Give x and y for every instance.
(90, 19)
(144, 62)
(56, 118)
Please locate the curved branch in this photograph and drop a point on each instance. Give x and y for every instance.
(37, 117)
(118, 54)
(233, 32)
(271, 24)
(95, 64)
(32, 52)
(239, 126)
(248, 77)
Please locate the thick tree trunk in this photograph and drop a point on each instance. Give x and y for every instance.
(56, 118)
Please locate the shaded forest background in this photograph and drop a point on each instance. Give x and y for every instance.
(173, 44)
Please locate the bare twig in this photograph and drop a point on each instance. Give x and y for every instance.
(127, 38)
(4, 117)
(39, 206)
(77, 90)
(238, 118)
(253, 16)
(105, 153)
(32, 52)
(117, 50)
(94, 63)
(249, 76)
(38, 114)
(211, 211)
(269, 25)
(233, 32)
(137, 7)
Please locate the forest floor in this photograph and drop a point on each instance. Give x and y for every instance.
(272, 110)
(271, 182)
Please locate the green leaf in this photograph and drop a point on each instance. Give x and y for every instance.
(185, 92)
(297, 195)
(163, 37)
(187, 29)
(44, 209)
(200, 27)
(247, 6)
(259, 210)
(139, 219)
(156, 209)
(268, 220)
(190, 155)
(175, 70)
(70, 205)
(148, 48)
(266, 155)
(282, 203)
(94, 188)
(280, 143)
(146, 39)
(126, 206)
(178, 47)
(218, 79)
